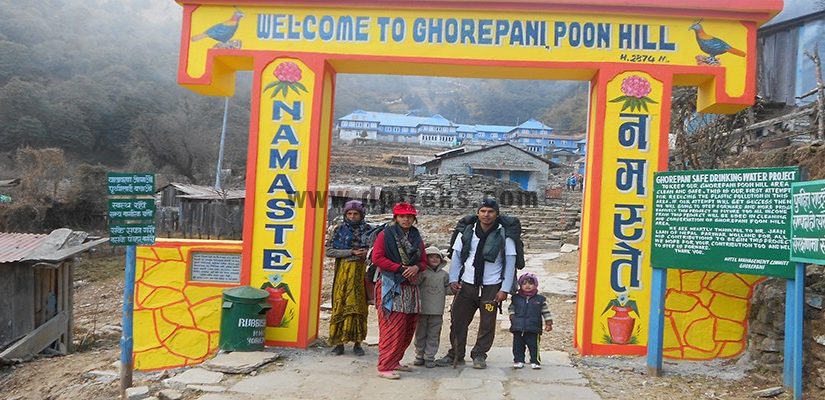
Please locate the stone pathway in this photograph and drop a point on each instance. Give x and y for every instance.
(316, 375)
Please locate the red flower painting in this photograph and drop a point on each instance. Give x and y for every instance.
(635, 89)
(288, 75)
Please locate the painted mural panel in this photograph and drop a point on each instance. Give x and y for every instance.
(481, 35)
(282, 173)
(631, 151)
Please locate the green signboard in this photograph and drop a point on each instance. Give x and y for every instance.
(131, 234)
(130, 184)
(132, 209)
(808, 222)
(735, 220)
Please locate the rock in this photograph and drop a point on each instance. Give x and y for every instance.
(194, 376)
(568, 248)
(820, 379)
(137, 393)
(326, 306)
(814, 300)
(770, 345)
(325, 316)
(820, 339)
(769, 392)
(170, 394)
(570, 301)
(102, 376)
(505, 325)
(239, 362)
(110, 329)
(207, 388)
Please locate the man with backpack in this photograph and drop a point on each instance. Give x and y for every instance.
(482, 273)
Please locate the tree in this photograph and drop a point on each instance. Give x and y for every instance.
(703, 141)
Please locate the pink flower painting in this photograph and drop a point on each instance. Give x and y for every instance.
(635, 89)
(288, 75)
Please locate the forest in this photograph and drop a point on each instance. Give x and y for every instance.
(94, 83)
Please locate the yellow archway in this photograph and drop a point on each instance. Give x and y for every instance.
(632, 53)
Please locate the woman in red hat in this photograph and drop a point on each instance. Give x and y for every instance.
(399, 253)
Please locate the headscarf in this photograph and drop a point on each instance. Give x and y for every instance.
(348, 234)
(523, 278)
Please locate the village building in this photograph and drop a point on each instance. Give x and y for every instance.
(196, 211)
(37, 303)
(504, 161)
(438, 131)
(786, 74)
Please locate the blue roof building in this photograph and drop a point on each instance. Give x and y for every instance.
(532, 135)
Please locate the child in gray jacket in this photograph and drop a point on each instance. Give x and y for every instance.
(433, 284)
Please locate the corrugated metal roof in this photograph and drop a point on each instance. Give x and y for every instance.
(794, 9)
(205, 192)
(533, 124)
(494, 128)
(16, 246)
(391, 119)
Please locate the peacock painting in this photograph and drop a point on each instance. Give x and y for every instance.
(712, 46)
(223, 32)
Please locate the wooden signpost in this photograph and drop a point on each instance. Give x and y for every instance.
(131, 222)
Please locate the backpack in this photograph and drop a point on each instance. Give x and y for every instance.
(368, 238)
(512, 230)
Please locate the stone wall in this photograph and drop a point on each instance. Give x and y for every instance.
(767, 326)
(462, 192)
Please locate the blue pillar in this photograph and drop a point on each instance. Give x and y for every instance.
(126, 339)
(787, 368)
(655, 338)
(798, 321)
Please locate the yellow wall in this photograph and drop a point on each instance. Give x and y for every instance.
(176, 322)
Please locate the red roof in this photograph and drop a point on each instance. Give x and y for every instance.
(16, 246)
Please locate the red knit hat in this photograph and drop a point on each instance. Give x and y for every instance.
(404, 209)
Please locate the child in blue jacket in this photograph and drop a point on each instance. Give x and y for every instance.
(528, 312)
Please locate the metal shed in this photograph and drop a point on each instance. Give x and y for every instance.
(197, 211)
(37, 293)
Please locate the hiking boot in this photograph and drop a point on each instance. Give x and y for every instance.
(418, 362)
(479, 363)
(447, 361)
(337, 350)
(430, 364)
(358, 350)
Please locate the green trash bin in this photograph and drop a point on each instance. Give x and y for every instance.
(243, 319)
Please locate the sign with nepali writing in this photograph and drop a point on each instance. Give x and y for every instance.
(215, 267)
(733, 220)
(131, 234)
(126, 184)
(632, 138)
(131, 209)
(808, 222)
(282, 175)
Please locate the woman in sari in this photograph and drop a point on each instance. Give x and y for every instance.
(348, 322)
(399, 253)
